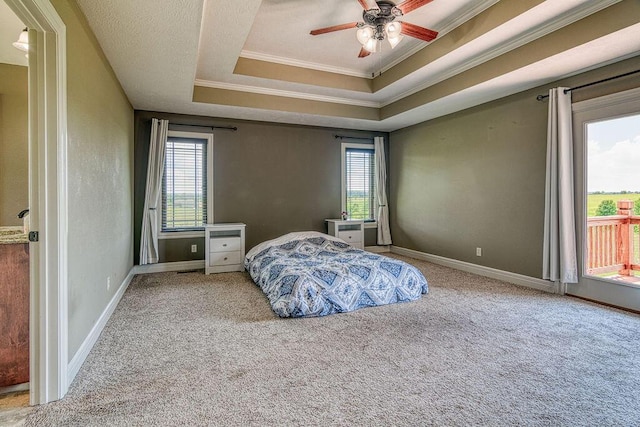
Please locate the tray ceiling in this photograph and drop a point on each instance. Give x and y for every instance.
(256, 59)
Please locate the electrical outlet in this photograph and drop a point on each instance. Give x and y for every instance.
(194, 248)
(478, 251)
(108, 282)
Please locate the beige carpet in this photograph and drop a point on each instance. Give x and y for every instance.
(189, 349)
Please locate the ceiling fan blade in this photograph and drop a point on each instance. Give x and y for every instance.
(409, 5)
(363, 53)
(334, 28)
(368, 4)
(418, 32)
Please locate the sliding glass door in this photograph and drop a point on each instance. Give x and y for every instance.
(607, 158)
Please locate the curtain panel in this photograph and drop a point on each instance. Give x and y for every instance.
(384, 232)
(153, 190)
(559, 252)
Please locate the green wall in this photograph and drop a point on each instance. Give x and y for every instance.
(476, 178)
(276, 178)
(100, 177)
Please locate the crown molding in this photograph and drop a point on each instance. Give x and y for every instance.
(303, 64)
(447, 26)
(285, 93)
(585, 10)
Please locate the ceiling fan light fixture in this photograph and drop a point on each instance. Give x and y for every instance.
(364, 34)
(23, 41)
(371, 45)
(393, 29)
(379, 24)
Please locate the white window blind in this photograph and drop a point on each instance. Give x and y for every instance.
(184, 185)
(360, 183)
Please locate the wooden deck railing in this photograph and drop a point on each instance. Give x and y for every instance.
(613, 242)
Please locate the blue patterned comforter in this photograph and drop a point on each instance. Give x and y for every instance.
(320, 275)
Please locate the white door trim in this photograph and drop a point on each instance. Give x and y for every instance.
(47, 198)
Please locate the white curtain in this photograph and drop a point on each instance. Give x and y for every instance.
(149, 234)
(384, 232)
(559, 254)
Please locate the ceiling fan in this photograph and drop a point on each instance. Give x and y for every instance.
(380, 23)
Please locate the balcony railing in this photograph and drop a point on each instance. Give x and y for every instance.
(613, 242)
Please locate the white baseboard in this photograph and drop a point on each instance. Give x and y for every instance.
(378, 249)
(169, 266)
(506, 276)
(88, 343)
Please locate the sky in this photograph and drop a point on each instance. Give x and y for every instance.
(614, 155)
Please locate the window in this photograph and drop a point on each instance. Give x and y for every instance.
(358, 181)
(186, 190)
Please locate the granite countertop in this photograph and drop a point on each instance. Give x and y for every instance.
(11, 235)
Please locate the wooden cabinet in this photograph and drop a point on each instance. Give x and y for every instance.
(224, 249)
(349, 230)
(14, 314)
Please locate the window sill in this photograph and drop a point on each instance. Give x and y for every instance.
(373, 224)
(181, 234)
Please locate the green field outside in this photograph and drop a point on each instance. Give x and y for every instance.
(181, 212)
(358, 207)
(593, 200)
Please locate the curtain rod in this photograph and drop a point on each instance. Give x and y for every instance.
(354, 137)
(541, 97)
(232, 128)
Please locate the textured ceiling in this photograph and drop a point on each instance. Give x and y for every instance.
(255, 59)
(276, 33)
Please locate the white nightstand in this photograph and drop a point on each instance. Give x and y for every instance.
(224, 247)
(349, 230)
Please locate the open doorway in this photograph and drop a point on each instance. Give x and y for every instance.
(14, 205)
(606, 134)
(47, 76)
(613, 199)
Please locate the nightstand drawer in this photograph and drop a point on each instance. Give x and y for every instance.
(225, 258)
(350, 236)
(225, 244)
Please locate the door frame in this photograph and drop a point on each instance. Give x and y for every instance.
(48, 316)
(594, 110)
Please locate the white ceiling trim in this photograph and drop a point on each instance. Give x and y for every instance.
(302, 64)
(285, 93)
(447, 27)
(500, 49)
(153, 81)
(589, 56)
